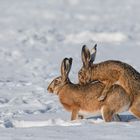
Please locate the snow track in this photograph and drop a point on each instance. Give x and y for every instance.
(29, 124)
(35, 35)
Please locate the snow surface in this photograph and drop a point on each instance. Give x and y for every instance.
(35, 35)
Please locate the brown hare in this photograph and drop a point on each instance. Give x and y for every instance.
(79, 99)
(108, 72)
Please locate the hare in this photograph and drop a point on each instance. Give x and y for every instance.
(81, 99)
(108, 72)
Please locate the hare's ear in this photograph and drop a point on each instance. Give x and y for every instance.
(68, 64)
(85, 56)
(65, 68)
(93, 53)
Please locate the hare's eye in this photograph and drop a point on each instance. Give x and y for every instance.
(80, 72)
(57, 81)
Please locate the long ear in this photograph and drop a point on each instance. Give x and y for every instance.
(85, 56)
(68, 64)
(93, 53)
(70, 61)
(65, 67)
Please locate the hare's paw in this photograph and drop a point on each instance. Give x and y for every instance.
(80, 117)
(101, 98)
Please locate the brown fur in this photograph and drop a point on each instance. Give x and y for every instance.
(76, 98)
(109, 72)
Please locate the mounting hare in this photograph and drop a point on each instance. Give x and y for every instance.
(79, 99)
(108, 72)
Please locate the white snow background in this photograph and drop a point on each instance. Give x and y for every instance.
(35, 35)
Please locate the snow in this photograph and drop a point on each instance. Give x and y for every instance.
(97, 37)
(35, 35)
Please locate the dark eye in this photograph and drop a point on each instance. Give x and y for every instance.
(80, 72)
(57, 81)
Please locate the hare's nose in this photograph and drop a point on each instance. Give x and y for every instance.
(49, 89)
(80, 72)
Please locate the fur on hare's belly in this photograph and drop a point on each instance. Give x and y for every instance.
(83, 112)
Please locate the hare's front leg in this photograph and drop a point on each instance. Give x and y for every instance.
(104, 92)
(80, 117)
(74, 114)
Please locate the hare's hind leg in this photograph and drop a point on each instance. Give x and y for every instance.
(135, 108)
(107, 114)
(135, 112)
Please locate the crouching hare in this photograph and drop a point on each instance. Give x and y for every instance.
(79, 99)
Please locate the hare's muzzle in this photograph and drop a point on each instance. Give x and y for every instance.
(49, 89)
